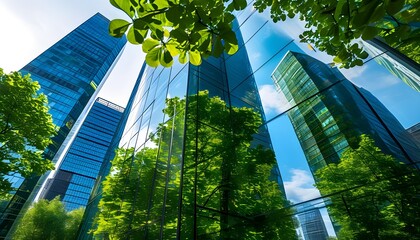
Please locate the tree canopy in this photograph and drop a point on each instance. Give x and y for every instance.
(49, 220)
(373, 195)
(227, 186)
(193, 29)
(25, 128)
(332, 26)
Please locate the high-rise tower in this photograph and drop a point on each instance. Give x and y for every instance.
(195, 160)
(70, 74)
(331, 113)
(395, 62)
(75, 175)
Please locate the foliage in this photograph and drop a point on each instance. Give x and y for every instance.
(25, 128)
(333, 25)
(168, 28)
(74, 218)
(225, 182)
(373, 195)
(194, 29)
(49, 220)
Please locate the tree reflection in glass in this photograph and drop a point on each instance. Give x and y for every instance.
(203, 181)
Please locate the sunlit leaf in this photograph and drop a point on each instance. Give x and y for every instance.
(118, 27)
(195, 57)
(153, 57)
(149, 44)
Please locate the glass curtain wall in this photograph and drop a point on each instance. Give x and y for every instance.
(69, 73)
(200, 169)
(195, 160)
(74, 178)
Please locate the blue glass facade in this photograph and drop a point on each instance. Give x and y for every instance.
(396, 63)
(175, 172)
(76, 174)
(329, 116)
(182, 148)
(331, 113)
(69, 73)
(312, 224)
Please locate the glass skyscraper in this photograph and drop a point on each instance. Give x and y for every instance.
(70, 73)
(195, 160)
(331, 113)
(415, 132)
(398, 64)
(312, 224)
(75, 176)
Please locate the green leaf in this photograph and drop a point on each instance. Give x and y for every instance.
(172, 47)
(135, 36)
(362, 17)
(166, 59)
(358, 62)
(394, 7)
(182, 57)
(161, 3)
(336, 59)
(369, 32)
(378, 14)
(118, 27)
(217, 46)
(195, 57)
(140, 24)
(339, 8)
(173, 14)
(231, 48)
(149, 44)
(124, 5)
(364, 55)
(179, 35)
(238, 4)
(229, 36)
(153, 57)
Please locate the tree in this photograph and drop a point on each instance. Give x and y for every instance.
(194, 29)
(373, 196)
(25, 128)
(228, 187)
(49, 220)
(74, 218)
(332, 26)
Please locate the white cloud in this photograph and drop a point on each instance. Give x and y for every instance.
(272, 100)
(255, 56)
(300, 188)
(355, 72)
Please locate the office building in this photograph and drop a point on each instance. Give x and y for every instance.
(70, 74)
(331, 113)
(75, 175)
(396, 63)
(312, 224)
(195, 160)
(414, 131)
(92, 207)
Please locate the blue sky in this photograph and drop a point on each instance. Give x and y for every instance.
(30, 27)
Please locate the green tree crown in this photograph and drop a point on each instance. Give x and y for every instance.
(49, 220)
(26, 128)
(373, 195)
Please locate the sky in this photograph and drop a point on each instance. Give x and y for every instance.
(29, 27)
